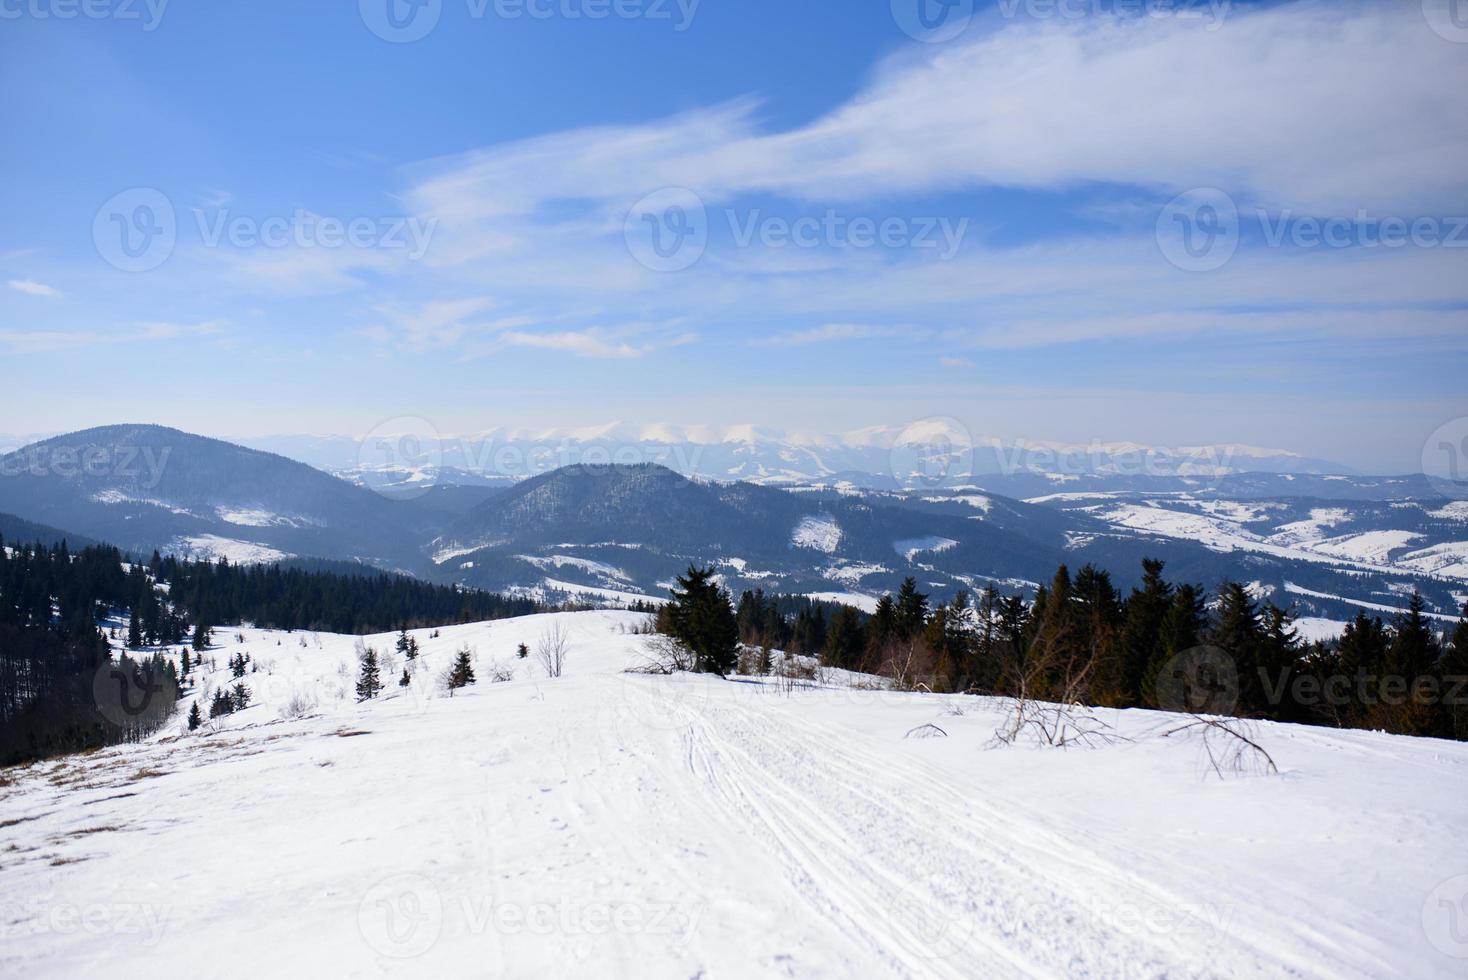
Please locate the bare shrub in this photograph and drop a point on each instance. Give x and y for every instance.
(299, 706)
(1228, 744)
(664, 655)
(498, 673)
(552, 649)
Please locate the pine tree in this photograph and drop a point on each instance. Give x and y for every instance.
(369, 683)
(701, 618)
(1146, 609)
(522, 651)
(196, 717)
(134, 631)
(462, 674)
(201, 636)
(406, 680)
(911, 610)
(846, 640)
(239, 696)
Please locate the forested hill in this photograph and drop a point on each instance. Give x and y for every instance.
(61, 689)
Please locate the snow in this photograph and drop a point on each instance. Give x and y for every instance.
(819, 533)
(1455, 511)
(851, 573)
(597, 568)
(865, 603)
(255, 517)
(610, 595)
(1374, 547)
(912, 547)
(1312, 628)
(213, 547)
(610, 824)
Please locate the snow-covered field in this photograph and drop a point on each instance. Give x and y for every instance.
(606, 824)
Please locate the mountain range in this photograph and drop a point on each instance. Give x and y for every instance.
(1327, 544)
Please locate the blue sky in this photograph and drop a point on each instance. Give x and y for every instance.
(857, 226)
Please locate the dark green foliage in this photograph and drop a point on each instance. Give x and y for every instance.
(462, 673)
(701, 618)
(846, 641)
(522, 651)
(369, 679)
(196, 718)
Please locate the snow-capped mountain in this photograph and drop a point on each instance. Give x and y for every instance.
(605, 531)
(932, 452)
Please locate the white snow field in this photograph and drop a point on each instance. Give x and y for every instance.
(603, 824)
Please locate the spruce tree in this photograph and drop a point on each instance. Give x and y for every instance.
(196, 717)
(522, 651)
(134, 631)
(369, 683)
(701, 618)
(462, 674)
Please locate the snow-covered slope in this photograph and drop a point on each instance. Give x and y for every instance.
(605, 824)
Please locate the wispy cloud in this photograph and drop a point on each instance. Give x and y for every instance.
(51, 341)
(32, 288)
(593, 342)
(834, 333)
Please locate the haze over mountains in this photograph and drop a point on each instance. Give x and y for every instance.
(1325, 543)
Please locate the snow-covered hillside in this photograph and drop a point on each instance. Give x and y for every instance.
(611, 824)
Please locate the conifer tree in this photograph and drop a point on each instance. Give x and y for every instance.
(701, 618)
(134, 631)
(369, 683)
(462, 674)
(196, 717)
(406, 680)
(522, 651)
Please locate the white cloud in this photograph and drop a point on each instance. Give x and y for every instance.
(593, 342)
(834, 333)
(32, 288)
(50, 341)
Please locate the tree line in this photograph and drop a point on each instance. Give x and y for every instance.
(1163, 645)
(61, 690)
